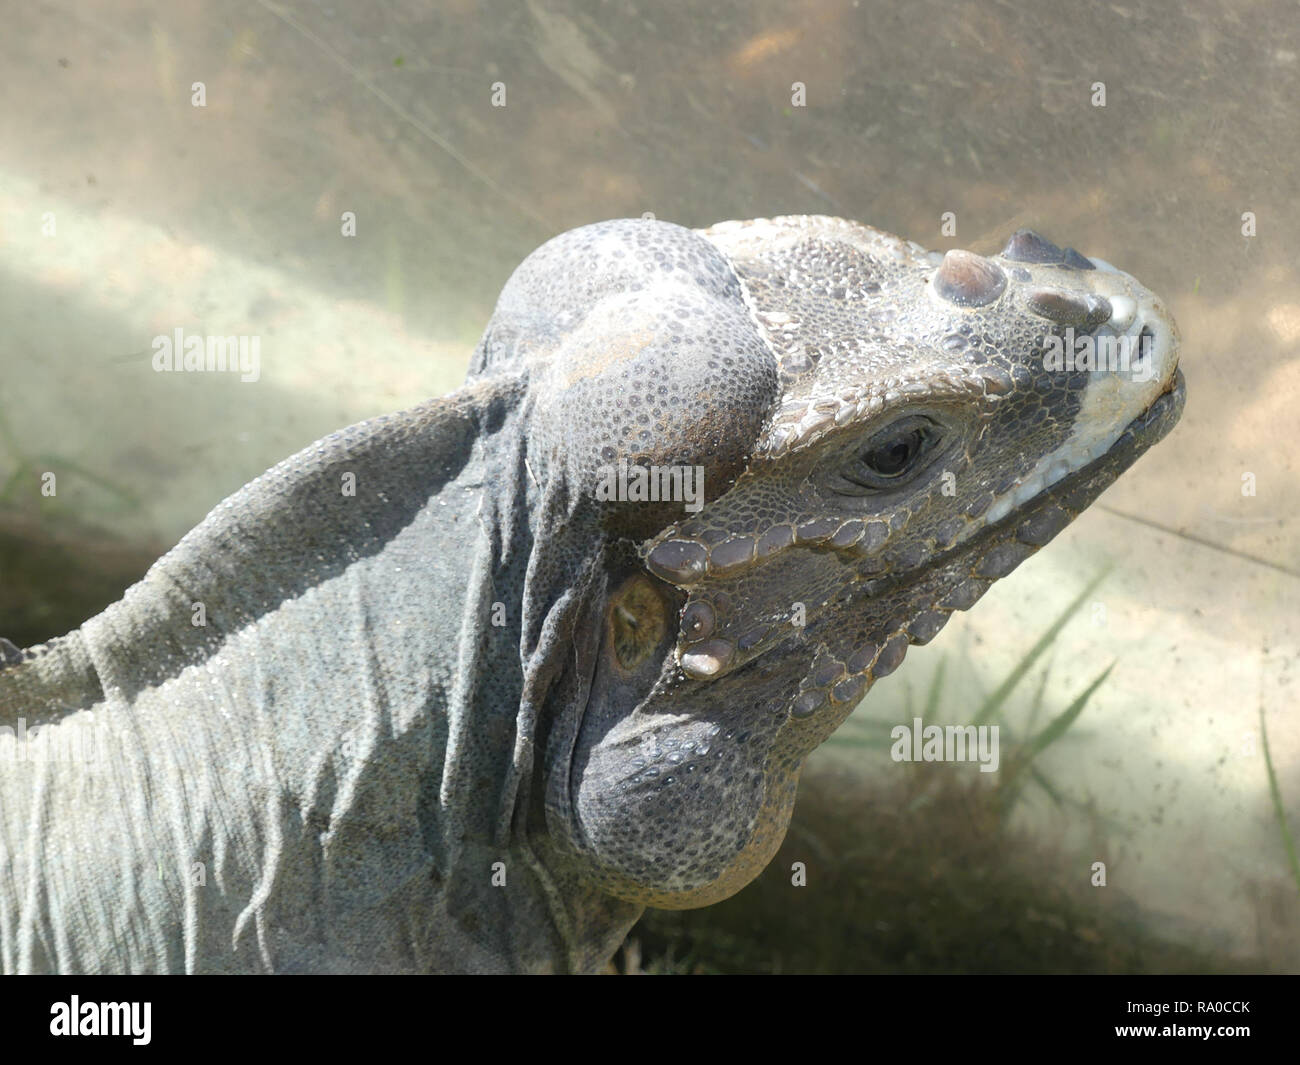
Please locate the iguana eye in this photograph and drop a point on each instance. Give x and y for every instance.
(894, 456)
(891, 457)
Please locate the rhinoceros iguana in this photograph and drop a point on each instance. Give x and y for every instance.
(467, 687)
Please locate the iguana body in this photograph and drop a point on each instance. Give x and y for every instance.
(476, 714)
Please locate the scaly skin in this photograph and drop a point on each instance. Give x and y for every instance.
(478, 714)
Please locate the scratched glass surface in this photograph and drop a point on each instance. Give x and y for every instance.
(126, 211)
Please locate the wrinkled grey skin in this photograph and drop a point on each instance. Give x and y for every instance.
(475, 716)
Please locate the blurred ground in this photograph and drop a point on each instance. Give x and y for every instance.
(920, 878)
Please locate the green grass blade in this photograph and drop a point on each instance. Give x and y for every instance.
(862, 732)
(1288, 841)
(1009, 787)
(1062, 722)
(1036, 775)
(1036, 707)
(878, 743)
(994, 702)
(123, 495)
(14, 479)
(936, 688)
(7, 435)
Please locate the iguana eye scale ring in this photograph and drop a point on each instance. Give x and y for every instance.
(893, 455)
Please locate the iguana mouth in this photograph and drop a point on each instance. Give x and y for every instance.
(956, 578)
(1148, 428)
(1156, 421)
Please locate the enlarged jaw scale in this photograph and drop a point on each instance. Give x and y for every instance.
(932, 421)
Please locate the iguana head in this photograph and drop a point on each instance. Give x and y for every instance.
(882, 433)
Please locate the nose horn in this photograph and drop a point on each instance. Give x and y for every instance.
(969, 280)
(1026, 246)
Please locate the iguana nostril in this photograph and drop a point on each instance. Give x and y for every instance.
(969, 280)
(1146, 341)
(1026, 246)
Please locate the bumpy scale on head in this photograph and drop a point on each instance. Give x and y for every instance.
(650, 359)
